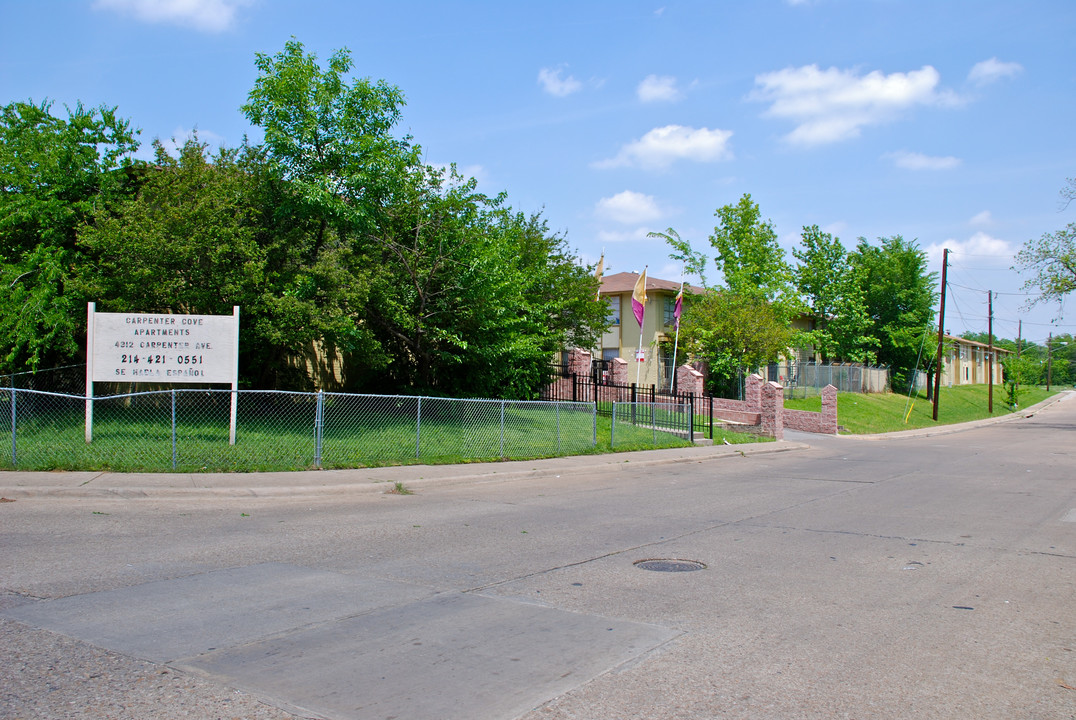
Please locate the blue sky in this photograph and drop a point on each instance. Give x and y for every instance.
(946, 122)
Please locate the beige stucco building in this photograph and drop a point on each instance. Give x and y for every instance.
(966, 362)
(659, 326)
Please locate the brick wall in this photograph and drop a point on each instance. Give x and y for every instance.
(824, 422)
(762, 406)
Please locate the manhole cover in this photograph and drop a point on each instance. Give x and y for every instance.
(670, 565)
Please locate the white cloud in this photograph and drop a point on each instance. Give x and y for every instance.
(986, 247)
(662, 146)
(919, 161)
(554, 84)
(204, 15)
(656, 88)
(988, 71)
(628, 208)
(833, 105)
(835, 228)
(983, 218)
(606, 237)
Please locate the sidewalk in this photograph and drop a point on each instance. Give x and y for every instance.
(18, 484)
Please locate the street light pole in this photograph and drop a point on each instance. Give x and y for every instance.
(1049, 360)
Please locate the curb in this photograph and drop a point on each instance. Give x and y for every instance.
(375, 480)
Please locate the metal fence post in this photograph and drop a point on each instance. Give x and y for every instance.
(653, 416)
(14, 459)
(502, 428)
(173, 428)
(418, 428)
(319, 427)
(691, 422)
(558, 428)
(711, 417)
(612, 427)
(594, 419)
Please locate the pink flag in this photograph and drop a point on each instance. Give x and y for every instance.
(679, 305)
(638, 298)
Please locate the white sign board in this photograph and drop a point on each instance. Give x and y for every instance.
(161, 348)
(141, 348)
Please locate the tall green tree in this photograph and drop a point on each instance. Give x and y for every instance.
(900, 295)
(692, 261)
(194, 237)
(746, 323)
(733, 334)
(472, 297)
(749, 257)
(184, 242)
(53, 171)
(330, 138)
(832, 288)
(463, 296)
(1050, 261)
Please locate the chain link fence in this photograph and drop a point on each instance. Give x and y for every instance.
(65, 379)
(806, 379)
(650, 422)
(188, 430)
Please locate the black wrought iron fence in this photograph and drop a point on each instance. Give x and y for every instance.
(694, 415)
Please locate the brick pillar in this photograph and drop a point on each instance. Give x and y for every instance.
(618, 374)
(829, 410)
(579, 361)
(773, 410)
(688, 381)
(752, 393)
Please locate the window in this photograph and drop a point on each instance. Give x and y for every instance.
(613, 318)
(610, 353)
(670, 309)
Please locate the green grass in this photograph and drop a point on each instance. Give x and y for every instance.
(277, 433)
(670, 418)
(879, 413)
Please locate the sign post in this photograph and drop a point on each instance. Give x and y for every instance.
(89, 370)
(162, 348)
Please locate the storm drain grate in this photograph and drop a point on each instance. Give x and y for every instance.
(670, 565)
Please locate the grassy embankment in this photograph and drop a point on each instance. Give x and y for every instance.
(859, 413)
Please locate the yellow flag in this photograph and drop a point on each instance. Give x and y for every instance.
(598, 275)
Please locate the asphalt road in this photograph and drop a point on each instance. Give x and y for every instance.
(920, 576)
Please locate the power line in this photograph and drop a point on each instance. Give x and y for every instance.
(974, 289)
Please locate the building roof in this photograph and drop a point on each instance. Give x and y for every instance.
(973, 343)
(625, 282)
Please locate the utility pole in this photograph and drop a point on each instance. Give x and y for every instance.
(990, 352)
(941, 335)
(1019, 336)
